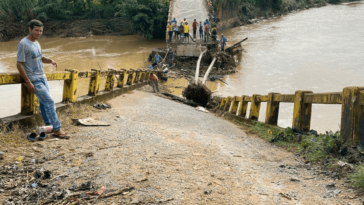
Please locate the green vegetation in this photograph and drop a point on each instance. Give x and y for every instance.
(148, 16)
(358, 177)
(311, 145)
(250, 9)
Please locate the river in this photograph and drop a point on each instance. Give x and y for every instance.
(320, 49)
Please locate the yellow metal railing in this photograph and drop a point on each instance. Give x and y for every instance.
(351, 99)
(30, 103)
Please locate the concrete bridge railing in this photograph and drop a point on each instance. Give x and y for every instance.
(126, 80)
(351, 99)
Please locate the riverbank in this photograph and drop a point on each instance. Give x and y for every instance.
(71, 28)
(239, 13)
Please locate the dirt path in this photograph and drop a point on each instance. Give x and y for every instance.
(170, 153)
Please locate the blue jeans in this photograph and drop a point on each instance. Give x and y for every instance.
(47, 105)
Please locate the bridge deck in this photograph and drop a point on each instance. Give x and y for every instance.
(170, 152)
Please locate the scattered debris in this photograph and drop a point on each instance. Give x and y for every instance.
(295, 180)
(202, 109)
(285, 196)
(344, 164)
(90, 122)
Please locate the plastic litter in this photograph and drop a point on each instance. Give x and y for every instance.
(34, 185)
(202, 109)
(45, 129)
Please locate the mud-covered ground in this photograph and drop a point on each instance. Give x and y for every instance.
(160, 151)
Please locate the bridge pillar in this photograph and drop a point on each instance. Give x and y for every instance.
(110, 81)
(121, 78)
(352, 115)
(222, 103)
(131, 73)
(271, 116)
(301, 112)
(227, 103)
(70, 87)
(243, 106)
(94, 83)
(234, 105)
(254, 108)
(29, 102)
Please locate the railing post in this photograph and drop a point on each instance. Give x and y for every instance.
(29, 102)
(271, 116)
(254, 108)
(130, 77)
(222, 103)
(137, 76)
(228, 103)
(301, 112)
(94, 83)
(243, 106)
(142, 76)
(234, 105)
(70, 87)
(121, 78)
(110, 81)
(352, 116)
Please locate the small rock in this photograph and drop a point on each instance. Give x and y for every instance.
(295, 180)
(207, 191)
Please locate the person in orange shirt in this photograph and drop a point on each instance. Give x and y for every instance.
(154, 80)
(194, 26)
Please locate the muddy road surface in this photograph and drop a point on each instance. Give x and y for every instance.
(160, 151)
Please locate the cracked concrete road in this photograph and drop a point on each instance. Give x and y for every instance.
(173, 154)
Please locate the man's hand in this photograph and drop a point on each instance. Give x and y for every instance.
(55, 64)
(30, 87)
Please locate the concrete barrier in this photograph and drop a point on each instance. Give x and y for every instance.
(30, 103)
(351, 99)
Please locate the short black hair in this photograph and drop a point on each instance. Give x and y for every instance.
(35, 22)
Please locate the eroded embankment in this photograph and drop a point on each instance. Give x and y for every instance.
(71, 28)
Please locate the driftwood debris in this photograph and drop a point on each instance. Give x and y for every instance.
(236, 44)
(208, 71)
(182, 100)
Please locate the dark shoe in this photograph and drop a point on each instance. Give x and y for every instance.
(104, 106)
(97, 106)
(42, 136)
(31, 137)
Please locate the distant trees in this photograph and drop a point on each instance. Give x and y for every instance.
(149, 16)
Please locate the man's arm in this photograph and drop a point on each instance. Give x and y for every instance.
(24, 75)
(48, 60)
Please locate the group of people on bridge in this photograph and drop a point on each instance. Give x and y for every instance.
(207, 29)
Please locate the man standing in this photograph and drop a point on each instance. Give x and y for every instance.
(214, 17)
(187, 31)
(200, 26)
(154, 80)
(170, 31)
(223, 41)
(194, 26)
(174, 21)
(206, 32)
(30, 66)
(176, 31)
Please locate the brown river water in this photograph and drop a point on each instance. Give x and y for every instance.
(320, 49)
